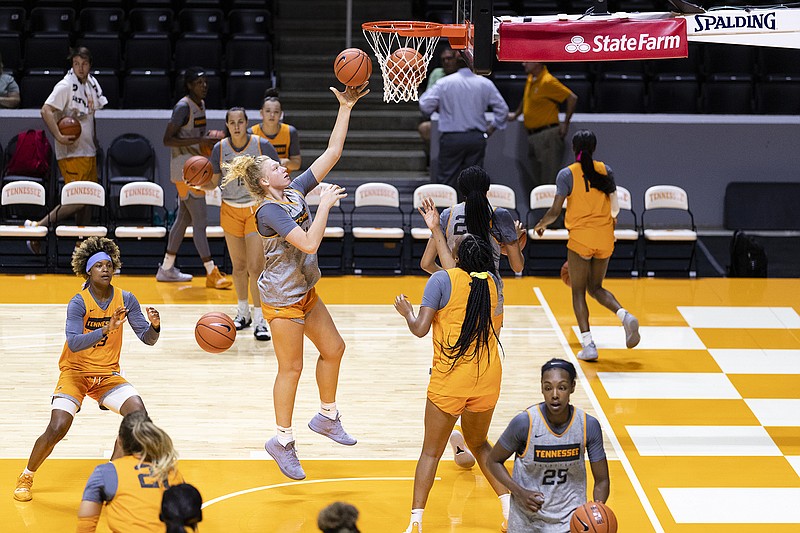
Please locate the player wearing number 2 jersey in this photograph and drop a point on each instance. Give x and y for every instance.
(89, 362)
(550, 441)
(132, 485)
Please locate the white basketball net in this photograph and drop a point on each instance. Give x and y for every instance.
(401, 79)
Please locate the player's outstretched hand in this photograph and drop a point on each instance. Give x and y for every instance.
(330, 194)
(118, 317)
(153, 317)
(351, 95)
(402, 305)
(429, 213)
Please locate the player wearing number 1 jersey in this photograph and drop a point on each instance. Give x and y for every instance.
(89, 362)
(131, 486)
(550, 441)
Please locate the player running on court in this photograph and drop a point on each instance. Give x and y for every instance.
(238, 218)
(550, 440)
(459, 304)
(288, 297)
(89, 362)
(590, 219)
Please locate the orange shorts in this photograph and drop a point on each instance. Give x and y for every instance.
(296, 312)
(237, 221)
(78, 169)
(586, 252)
(75, 386)
(184, 190)
(455, 405)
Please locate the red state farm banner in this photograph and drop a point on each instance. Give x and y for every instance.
(592, 40)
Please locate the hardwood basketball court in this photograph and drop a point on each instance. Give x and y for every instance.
(702, 414)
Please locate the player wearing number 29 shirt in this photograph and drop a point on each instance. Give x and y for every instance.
(550, 440)
(89, 362)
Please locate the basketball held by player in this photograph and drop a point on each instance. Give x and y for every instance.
(459, 304)
(89, 362)
(287, 284)
(590, 219)
(550, 441)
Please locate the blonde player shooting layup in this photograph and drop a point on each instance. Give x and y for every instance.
(550, 440)
(238, 220)
(590, 219)
(89, 362)
(460, 304)
(131, 486)
(185, 134)
(282, 136)
(288, 297)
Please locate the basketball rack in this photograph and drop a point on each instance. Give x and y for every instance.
(401, 81)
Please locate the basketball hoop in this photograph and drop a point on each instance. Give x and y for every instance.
(404, 49)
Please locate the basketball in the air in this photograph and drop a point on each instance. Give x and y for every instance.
(565, 274)
(405, 67)
(593, 517)
(352, 67)
(215, 332)
(197, 171)
(69, 126)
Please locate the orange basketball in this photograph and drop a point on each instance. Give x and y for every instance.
(352, 67)
(593, 517)
(207, 146)
(197, 171)
(69, 126)
(405, 67)
(215, 332)
(565, 274)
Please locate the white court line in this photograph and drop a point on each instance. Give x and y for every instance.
(310, 482)
(637, 486)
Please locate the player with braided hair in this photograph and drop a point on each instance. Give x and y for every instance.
(89, 362)
(459, 304)
(590, 219)
(132, 485)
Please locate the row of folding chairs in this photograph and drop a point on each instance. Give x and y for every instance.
(374, 235)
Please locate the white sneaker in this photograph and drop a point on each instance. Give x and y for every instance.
(589, 352)
(461, 454)
(415, 527)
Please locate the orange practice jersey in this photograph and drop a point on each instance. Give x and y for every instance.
(137, 502)
(280, 142)
(471, 376)
(588, 217)
(103, 357)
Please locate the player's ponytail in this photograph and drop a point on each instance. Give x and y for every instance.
(181, 507)
(139, 435)
(584, 143)
(473, 182)
(249, 170)
(475, 256)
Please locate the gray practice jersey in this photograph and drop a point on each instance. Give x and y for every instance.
(235, 193)
(552, 464)
(289, 273)
(454, 222)
(192, 120)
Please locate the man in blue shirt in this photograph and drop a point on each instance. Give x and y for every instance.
(461, 99)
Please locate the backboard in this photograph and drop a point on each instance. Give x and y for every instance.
(479, 51)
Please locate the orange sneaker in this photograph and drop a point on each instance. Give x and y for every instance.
(217, 280)
(504, 527)
(22, 493)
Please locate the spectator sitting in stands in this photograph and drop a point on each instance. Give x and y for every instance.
(9, 90)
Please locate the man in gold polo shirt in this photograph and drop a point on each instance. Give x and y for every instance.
(539, 107)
